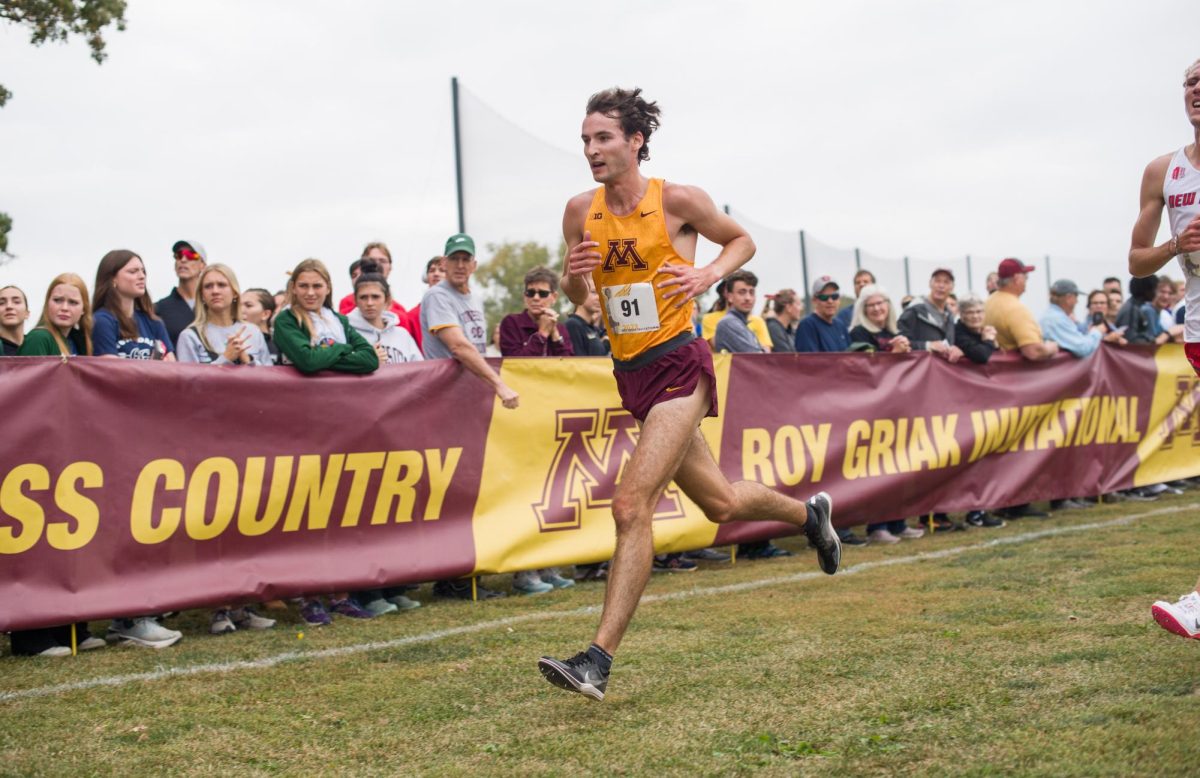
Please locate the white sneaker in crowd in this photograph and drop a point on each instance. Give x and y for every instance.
(55, 651)
(246, 618)
(912, 533)
(91, 644)
(221, 624)
(882, 536)
(143, 631)
(1182, 618)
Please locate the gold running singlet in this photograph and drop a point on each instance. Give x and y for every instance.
(633, 249)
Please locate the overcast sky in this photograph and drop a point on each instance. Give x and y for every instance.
(275, 131)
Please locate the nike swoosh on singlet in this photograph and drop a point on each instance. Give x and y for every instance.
(673, 388)
(647, 213)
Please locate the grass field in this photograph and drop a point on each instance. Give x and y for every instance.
(1035, 655)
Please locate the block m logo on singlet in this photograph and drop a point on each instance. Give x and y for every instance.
(623, 253)
(593, 448)
(1182, 424)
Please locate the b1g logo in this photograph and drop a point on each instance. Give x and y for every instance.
(1182, 424)
(623, 253)
(593, 448)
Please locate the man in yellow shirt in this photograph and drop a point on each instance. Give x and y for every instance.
(1016, 329)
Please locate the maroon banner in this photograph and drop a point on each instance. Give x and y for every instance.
(131, 488)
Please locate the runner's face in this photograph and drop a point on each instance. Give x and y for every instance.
(537, 304)
(13, 309)
(741, 297)
(65, 306)
(311, 290)
(1191, 95)
(216, 292)
(608, 151)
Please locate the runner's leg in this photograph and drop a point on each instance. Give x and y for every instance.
(664, 440)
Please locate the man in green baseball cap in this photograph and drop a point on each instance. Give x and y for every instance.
(460, 242)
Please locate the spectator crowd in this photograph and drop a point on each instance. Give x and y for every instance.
(207, 318)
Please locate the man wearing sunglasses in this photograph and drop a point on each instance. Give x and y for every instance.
(178, 309)
(535, 332)
(820, 330)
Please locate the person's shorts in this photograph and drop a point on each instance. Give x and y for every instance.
(1192, 350)
(675, 374)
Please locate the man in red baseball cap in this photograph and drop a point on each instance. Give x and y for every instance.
(1016, 329)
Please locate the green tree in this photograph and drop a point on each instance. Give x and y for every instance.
(56, 20)
(502, 278)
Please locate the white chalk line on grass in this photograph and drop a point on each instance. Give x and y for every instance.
(466, 629)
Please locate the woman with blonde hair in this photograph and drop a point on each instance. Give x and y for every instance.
(218, 336)
(65, 328)
(312, 337)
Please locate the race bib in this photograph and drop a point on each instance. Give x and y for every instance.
(631, 308)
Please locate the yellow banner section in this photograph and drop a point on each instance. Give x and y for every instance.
(1171, 446)
(550, 467)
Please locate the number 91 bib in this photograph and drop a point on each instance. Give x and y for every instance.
(631, 308)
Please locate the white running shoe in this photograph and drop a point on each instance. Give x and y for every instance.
(143, 631)
(1182, 618)
(91, 644)
(882, 536)
(56, 651)
(221, 624)
(246, 618)
(912, 533)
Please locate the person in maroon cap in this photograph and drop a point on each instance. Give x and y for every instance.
(1016, 328)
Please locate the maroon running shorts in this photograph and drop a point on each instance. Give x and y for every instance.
(1193, 354)
(675, 374)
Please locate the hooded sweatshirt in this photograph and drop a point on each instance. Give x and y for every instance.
(393, 337)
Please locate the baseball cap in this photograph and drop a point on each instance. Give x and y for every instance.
(193, 245)
(945, 270)
(1064, 286)
(1010, 267)
(460, 242)
(822, 282)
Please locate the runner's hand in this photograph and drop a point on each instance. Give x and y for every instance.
(508, 398)
(687, 282)
(1189, 239)
(583, 258)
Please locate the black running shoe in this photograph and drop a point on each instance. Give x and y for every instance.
(580, 674)
(821, 534)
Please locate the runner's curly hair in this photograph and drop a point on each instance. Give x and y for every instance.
(628, 107)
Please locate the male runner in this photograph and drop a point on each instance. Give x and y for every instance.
(634, 240)
(1173, 180)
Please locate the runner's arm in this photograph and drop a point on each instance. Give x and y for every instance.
(695, 208)
(1144, 257)
(581, 254)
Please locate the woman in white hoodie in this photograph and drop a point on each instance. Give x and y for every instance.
(375, 322)
(380, 327)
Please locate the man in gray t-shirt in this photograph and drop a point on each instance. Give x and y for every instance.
(452, 321)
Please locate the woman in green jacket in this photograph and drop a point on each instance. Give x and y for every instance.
(313, 338)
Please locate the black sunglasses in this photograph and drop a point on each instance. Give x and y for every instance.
(827, 297)
(542, 293)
